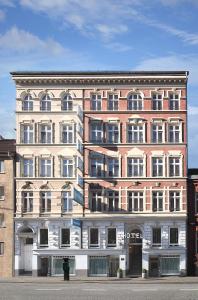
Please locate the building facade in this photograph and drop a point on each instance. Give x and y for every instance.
(101, 172)
(7, 206)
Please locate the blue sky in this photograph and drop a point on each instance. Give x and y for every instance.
(98, 35)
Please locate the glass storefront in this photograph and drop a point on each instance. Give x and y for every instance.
(170, 265)
(98, 266)
(57, 265)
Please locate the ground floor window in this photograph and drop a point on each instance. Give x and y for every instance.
(57, 265)
(169, 265)
(98, 266)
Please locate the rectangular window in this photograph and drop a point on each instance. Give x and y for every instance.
(174, 134)
(2, 166)
(27, 167)
(113, 200)
(157, 102)
(1, 248)
(45, 167)
(96, 132)
(135, 201)
(27, 134)
(27, 199)
(112, 167)
(174, 201)
(196, 202)
(1, 220)
(174, 166)
(112, 133)
(135, 134)
(67, 204)
(157, 134)
(96, 102)
(45, 134)
(113, 102)
(174, 237)
(135, 167)
(67, 167)
(45, 202)
(68, 134)
(65, 237)
(96, 166)
(2, 193)
(135, 102)
(157, 201)
(43, 237)
(93, 237)
(96, 201)
(111, 239)
(174, 102)
(156, 241)
(67, 103)
(157, 166)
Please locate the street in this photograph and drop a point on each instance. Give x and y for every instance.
(86, 291)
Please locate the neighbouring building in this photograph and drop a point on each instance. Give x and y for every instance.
(101, 172)
(192, 233)
(7, 206)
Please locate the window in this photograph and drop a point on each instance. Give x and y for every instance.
(135, 134)
(67, 204)
(96, 102)
(27, 134)
(45, 103)
(157, 201)
(174, 102)
(113, 102)
(45, 167)
(2, 193)
(27, 104)
(43, 237)
(1, 248)
(196, 202)
(96, 132)
(174, 134)
(135, 167)
(113, 200)
(1, 220)
(27, 199)
(173, 236)
(111, 238)
(157, 133)
(65, 237)
(157, 102)
(112, 167)
(2, 166)
(45, 134)
(27, 167)
(156, 242)
(68, 134)
(174, 201)
(45, 201)
(67, 103)
(174, 166)
(135, 102)
(112, 133)
(157, 166)
(96, 201)
(135, 201)
(96, 167)
(67, 167)
(93, 238)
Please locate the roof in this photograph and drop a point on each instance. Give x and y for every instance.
(7, 146)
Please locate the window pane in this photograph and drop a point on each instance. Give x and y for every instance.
(43, 236)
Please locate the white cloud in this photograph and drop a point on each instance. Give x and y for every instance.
(2, 15)
(108, 31)
(177, 2)
(9, 3)
(193, 111)
(118, 47)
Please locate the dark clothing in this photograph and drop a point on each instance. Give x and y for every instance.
(66, 270)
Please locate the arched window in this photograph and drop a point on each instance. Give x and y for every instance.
(27, 103)
(45, 103)
(67, 103)
(135, 102)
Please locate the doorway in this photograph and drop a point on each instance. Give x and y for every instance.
(28, 246)
(153, 266)
(44, 266)
(135, 253)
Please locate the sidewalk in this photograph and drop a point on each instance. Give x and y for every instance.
(106, 280)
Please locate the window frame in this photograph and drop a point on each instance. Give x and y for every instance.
(156, 245)
(158, 102)
(135, 198)
(96, 134)
(47, 207)
(98, 243)
(173, 244)
(46, 167)
(27, 100)
(96, 104)
(69, 167)
(29, 198)
(2, 192)
(67, 103)
(2, 248)
(133, 103)
(140, 166)
(157, 134)
(159, 197)
(2, 166)
(172, 101)
(27, 129)
(45, 103)
(113, 104)
(47, 244)
(61, 237)
(115, 199)
(99, 163)
(175, 199)
(173, 167)
(112, 134)
(155, 166)
(97, 196)
(48, 133)
(111, 245)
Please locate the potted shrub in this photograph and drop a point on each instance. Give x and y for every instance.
(119, 273)
(144, 273)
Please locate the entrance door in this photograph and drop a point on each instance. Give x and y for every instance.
(28, 256)
(44, 266)
(153, 266)
(135, 260)
(113, 266)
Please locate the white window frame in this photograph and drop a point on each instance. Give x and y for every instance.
(175, 198)
(48, 132)
(158, 245)
(96, 132)
(111, 245)
(30, 166)
(45, 103)
(46, 166)
(135, 102)
(157, 101)
(65, 245)
(29, 198)
(29, 128)
(113, 103)
(139, 165)
(94, 245)
(99, 162)
(113, 166)
(132, 198)
(69, 129)
(136, 130)
(2, 197)
(157, 131)
(68, 165)
(96, 102)
(27, 100)
(175, 165)
(173, 244)
(46, 198)
(67, 103)
(159, 197)
(115, 198)
(66, 196)
(173, 100)
(158, 165)
(39, 238)
(112, 132)
(174, 131)
(2, 166)
(97, 197)
(2, 246)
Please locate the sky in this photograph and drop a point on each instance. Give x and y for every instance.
(98, 35)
